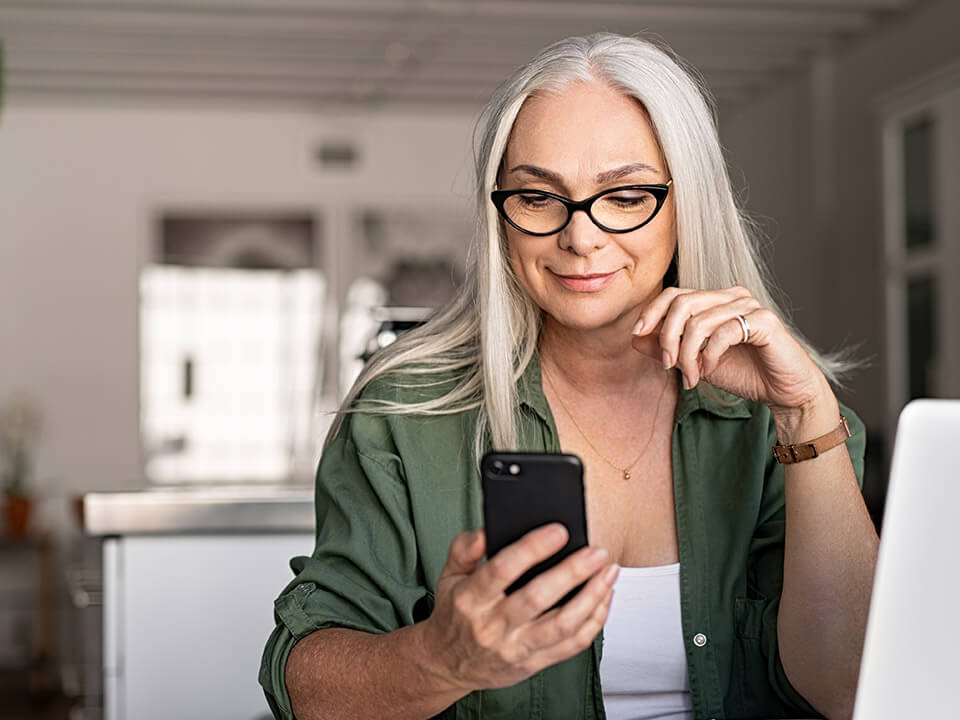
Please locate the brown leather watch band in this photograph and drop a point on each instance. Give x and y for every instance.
(798, 452)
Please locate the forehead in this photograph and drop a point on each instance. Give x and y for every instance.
(581, 128)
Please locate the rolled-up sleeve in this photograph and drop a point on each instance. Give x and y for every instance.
(364, 573)
(758, 614)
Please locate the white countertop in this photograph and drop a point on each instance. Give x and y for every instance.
(211, 508)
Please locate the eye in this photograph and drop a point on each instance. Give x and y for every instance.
(533, 200)
(629, 199)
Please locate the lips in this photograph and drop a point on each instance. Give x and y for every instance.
(592, 282)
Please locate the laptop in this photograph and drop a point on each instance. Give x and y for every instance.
(911, 658)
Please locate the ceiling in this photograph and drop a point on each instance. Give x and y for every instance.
(439, 53)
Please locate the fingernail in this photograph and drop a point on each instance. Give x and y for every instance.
(611, 574)
(686, 383)
(638, 328)
(598, 555)
(667, 364)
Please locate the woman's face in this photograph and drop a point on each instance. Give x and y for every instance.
(576, 143)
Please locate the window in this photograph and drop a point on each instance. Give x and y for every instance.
(921, 179)
(230, 335)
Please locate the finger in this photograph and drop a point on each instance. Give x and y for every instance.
(564, 635)
(682, 309)
(654, 311)
(500, 571)
(543, 592)
(579, 641)
(558, 625)
(699, 328)
(466, 552)
(730, 334)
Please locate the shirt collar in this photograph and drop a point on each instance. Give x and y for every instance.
(703, 397)
(710, 399)
(530, 389)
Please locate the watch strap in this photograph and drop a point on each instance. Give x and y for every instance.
(798, 452)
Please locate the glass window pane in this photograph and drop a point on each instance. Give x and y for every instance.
(921, 335)
(231, 321)
(918, 183)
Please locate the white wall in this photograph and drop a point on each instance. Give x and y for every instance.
(810, 153)
(79, 189)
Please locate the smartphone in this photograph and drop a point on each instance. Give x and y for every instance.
(524, 491)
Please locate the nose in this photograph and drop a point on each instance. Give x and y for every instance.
(581, 236)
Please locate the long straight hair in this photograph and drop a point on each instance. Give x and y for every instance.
(488, 334)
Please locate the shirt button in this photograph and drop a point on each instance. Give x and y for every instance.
(699, 639)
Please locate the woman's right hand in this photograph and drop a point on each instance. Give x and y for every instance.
(479, 637)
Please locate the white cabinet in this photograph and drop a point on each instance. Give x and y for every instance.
(186, 618)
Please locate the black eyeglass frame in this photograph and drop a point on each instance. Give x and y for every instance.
(659, 192)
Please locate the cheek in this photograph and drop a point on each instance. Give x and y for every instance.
(660, 246)
(650, 250)
(523, 257)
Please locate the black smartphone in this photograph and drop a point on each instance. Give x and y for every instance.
(524, 491)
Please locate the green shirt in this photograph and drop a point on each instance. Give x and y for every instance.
(392, 491)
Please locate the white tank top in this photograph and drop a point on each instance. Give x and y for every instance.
(643, 671)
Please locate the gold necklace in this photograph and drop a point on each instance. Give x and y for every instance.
(624, 470)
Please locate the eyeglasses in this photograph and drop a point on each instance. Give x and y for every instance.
(617, 210)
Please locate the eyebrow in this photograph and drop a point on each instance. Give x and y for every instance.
(603, 177)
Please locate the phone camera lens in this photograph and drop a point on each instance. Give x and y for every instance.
(497, 466)
(514, 469)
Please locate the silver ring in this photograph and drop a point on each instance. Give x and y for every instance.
(744, 327)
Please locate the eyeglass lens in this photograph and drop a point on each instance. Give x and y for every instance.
(620, 210)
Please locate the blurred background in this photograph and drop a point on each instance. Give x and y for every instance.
(212, 211)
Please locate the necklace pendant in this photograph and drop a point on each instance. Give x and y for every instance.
(626, 474)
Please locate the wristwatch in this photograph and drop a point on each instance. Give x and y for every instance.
(798, 452)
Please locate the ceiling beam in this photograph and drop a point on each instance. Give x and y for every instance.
(506, 51)
(198, 62)
(147, 80)
(394, 6)
(20, 48)
(446, 51)
(57, 88)
(441, 14)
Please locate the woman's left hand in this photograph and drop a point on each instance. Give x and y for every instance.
(697, 331)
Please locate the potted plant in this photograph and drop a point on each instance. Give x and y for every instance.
(20, 424)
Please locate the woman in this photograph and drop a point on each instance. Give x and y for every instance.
(632, 327)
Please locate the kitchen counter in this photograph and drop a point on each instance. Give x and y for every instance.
(190, 575)
(200, 509)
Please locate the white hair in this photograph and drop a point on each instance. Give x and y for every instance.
(487, 336)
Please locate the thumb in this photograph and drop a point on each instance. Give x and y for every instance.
(466, 552)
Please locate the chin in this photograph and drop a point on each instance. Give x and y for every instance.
(585, 315)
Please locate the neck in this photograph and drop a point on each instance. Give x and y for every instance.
(600, 361)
